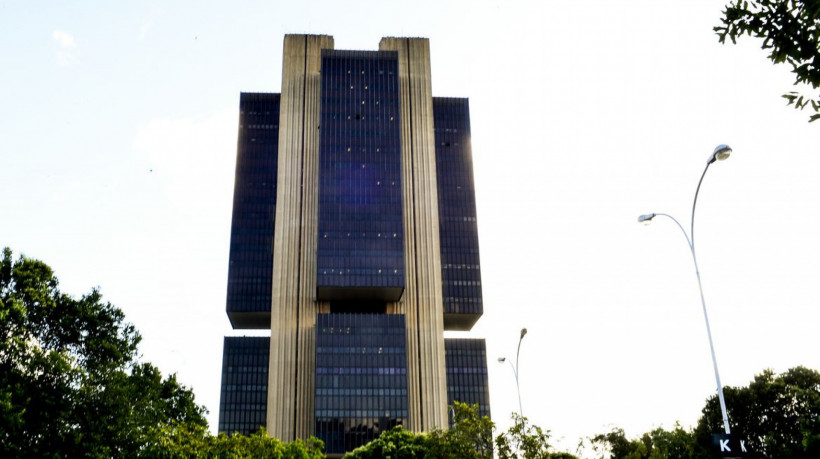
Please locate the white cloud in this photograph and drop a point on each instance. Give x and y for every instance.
(145, 28)
(65, 40)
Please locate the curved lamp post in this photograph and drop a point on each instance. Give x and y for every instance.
(721, 152)
(515, 369)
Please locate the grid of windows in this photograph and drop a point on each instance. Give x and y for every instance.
(458, 230)
(361, 363)
(361, 378)
(244, 384)
(360, 247)
(466, 362)
(250, 268)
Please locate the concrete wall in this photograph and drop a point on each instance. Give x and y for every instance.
(290, 412)
(293, 303)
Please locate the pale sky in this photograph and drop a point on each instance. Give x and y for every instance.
(118, 142)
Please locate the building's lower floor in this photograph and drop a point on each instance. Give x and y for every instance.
(360, 378)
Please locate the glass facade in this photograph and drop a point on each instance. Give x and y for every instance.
(360, 245)
(244, 384)
(360, 384)
(458, 229)
(250, 268)
(466, 361)
(361, 378)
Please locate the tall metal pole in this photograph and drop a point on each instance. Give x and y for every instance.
(515, 370)
(703, 300)
(708, 327)
(720, 153)
(517, 389)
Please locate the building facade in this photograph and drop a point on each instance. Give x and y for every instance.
(354, 241)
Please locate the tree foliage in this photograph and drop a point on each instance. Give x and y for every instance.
(659, 443)
(790, 30)
(677, 442)
(777, 415)
(523, 440)
(70, 385)
(181, 441)
(395, 443)
(470, 437)
(614, 444)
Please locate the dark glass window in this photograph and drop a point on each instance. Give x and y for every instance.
(361, 378)
(360, 246)
(243, 401)
(250, 267)
(458, 229)
(466, 362)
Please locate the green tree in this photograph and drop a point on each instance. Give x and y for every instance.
(181, 441)
(395, 443)
(659, 443)
(777, 415)
(523, 440)
(675, 443)
(70, 385)
(790, 30)
(615, 445)
(526, 441)
(471, 436)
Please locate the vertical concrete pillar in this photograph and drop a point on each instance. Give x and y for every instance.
(293, 302)
(422, 302)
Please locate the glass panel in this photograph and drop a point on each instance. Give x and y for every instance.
(367, 394)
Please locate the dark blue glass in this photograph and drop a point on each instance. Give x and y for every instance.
(361, 378)
(243, 402)
(361, 238)
(466, 362)
(458, 228)
(250, 267)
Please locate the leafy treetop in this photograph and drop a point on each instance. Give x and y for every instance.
(70, 385)
(790, 30)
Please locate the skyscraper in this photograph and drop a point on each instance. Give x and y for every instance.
(354, 241)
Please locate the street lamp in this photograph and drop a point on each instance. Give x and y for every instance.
(721, 153)
(515, 370)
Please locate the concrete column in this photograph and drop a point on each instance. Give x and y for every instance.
(422, 302)
(293, 302)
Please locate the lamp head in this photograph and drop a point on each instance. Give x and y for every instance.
(523, 332)
(721, 152)
(502, 359)
(646, 218)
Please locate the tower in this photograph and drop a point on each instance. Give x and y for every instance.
(354, 241)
